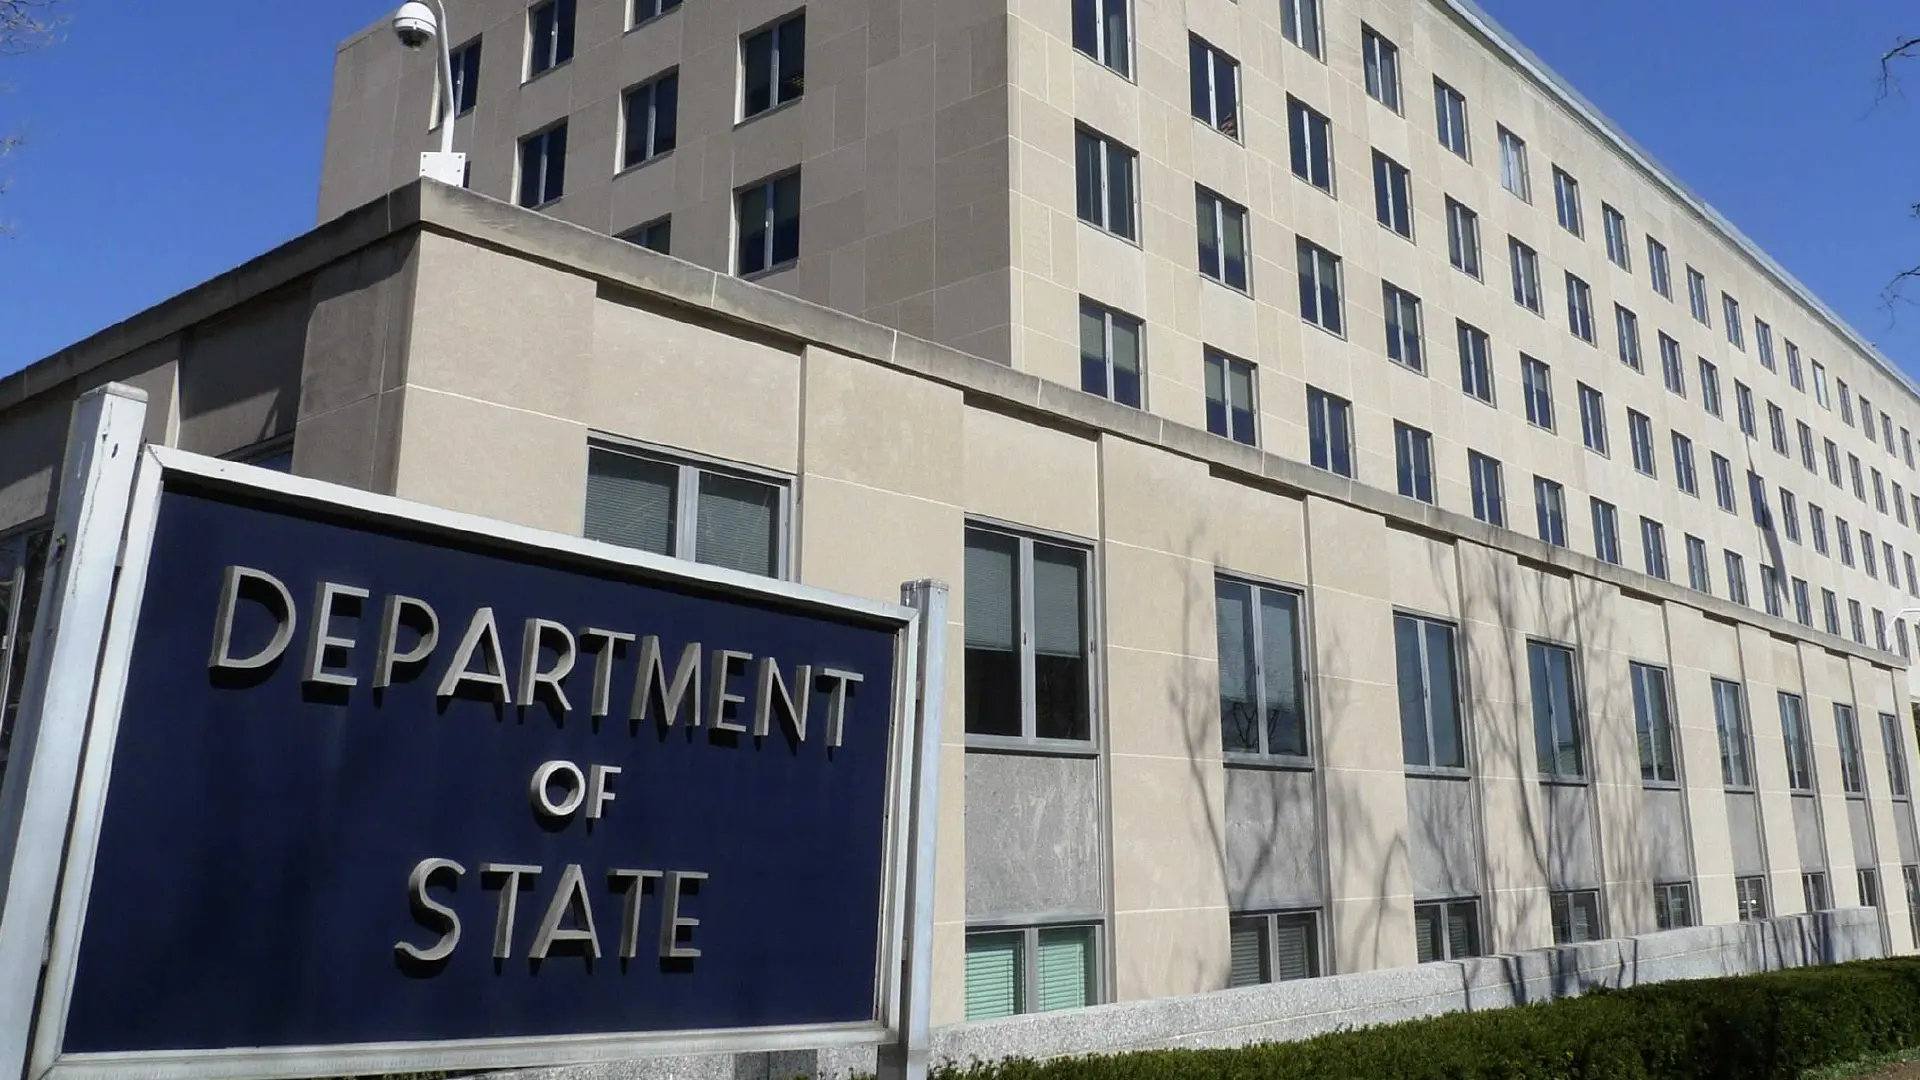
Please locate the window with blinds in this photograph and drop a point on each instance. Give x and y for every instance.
(1673, 905)
(672, 507)
(23, 560)
(1028, 651)
(1274, 948)
(1262, 689)
(1033, 969)
(994, 981)
(1751, 893)
(1446, 930)
(1063, 975)
(1576, 916)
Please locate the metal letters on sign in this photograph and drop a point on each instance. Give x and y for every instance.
(373, 786)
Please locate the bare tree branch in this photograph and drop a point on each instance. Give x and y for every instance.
(27, 24)
(1903, 50)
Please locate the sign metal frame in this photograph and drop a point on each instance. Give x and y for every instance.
(898, 984)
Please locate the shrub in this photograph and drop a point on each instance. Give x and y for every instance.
(1756, 1027)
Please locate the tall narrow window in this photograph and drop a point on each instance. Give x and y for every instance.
(1300, 24)
(1736, 578)
(1830, 607)
(1450, 113)
(1817, 525)
(1579, 309)
(1807, 456)
(1723, 484)
(1557, 720)
(1657, 270)
(1813, 889)
(1413, 461)
(1640, 436)
(1319, 271)
(1606, 531)
(1550, 511)
(1614, 224)
(1576, 916)
(1536, 384)
(1109, 353)
(1310, 144)
(1709, 387)
(1566, 202)
(652, 115)
(1489, 488)
(1697, 297)
(1392, 195)
(1430, 732)
(1215, 79)
(1513, 165)
(466, 81)
(774, 63)
(1262, 690)
(1853, 773)
(1446, 930)
(1036, 969)
(1404, 337)
(1699, 578)
(1730, 721)
(769, 226)
(1381, 59)
(1476, 362)
(1777, 429)
(1104, 179)
(1673, 368)
(1100, 30)
(543, 166)
(1525, 264)
(1028, 664)
(1222, 227)
(1330, 431)
(1736, 327)
(674, 507)
(1593, 418)
(1793, 730)
(1896, 755)
(1683, 474)
(1626, 326)
(1789, 515)
(1763, 341)
(1231, 406)
(1751, 894)
(1653, 724)
(550, 35)
(1795, 377)
(644, 10)
(1463, 238)
(1819, 383)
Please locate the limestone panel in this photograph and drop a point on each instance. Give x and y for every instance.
(1669, 854)
(1443, 838)
(1743, 827)
(1032, 837)
(1809, 838)
(492, 460)
(1038, 476)
(1275, 856)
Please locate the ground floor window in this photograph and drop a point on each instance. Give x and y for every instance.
(1275, 947)
(687, 509)
(1031, 969)
(1751, 893)
(1813, 888)
(1673, 905)
(1576, 916)
(1447, 929)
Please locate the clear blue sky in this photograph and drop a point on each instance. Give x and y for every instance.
(167, 142)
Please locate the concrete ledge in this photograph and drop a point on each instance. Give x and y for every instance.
(1284, 1012)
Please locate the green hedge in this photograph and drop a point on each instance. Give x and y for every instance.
(1756, 1027)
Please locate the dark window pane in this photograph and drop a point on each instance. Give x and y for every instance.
(1086, 27)
(556, 178)
(1086, 164)
(1413, 715)
(793, 57)
(753, 230)
(563, 32)
(758, 82)
(530, 171)
(1448, 751)
(786, 219)
(992, 634)
(1062, 709)
(1197, 70)
(1280, 663)
(1239, 693)
(666, 114)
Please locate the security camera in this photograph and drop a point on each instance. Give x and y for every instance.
(414, 24)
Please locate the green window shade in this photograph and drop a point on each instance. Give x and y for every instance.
(1426, 932)
(1249, 948)
(1463, 931)
(993, 975)
(630, 501)
(1294, 947)
(1065, 968)
(738, 525)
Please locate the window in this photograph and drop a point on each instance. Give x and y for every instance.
(655, 235)
(674, 507)
(550, 40)
(1614, 224)
(1859, 623)
(1448, 930)
(1536, 385)
(1029, 672)
(1381, 59)
(1913, 581)
(1879, 491)
(1430, 730)
(774, 62)
(1653, 724)
(1392, 195)
(1853, 776)
(543, 166)
(1513, 165)
(1833, 463)
(1606, 531)
(1657, 270)
(1403, 326)
(1579, 309)
(1273, 948)
(1899, 503)
(1886, 432)
(1743, 405)
(1640, 437)
(1763, 341)
(1736, 578)
(1330, 431)
(1866, 417)
(1789, 515)
(1100, 30)
(1037, 969)
(1777, 429)
(1262, 688)
(1794, 377)
(1817, 524)
(1772, 591)
(1697, 577)
(769, 225)
(1450, 111)
(1215, 85)
(1730, 314)
(1906, 446)
(1896, 755)
(1653, 543)
(1867, 880)
(1683, 464)
(1310, 136)
(1463, 239)
(1476, 362)
(1320, 288)
(1819, 383)
(1709, 387)
(1751, 895)
(23, 561)
(1697, 297)
(1550, 511)
(652, 120)
(1723, 484)
(1911, 876)
(648, 9)
(1793, 729)
(1830, 605)
(1813, 889)
(1844, 533)
(1222, 227)
(1802, 603)
(1525, 263)
(1807, 457)
(1103, 176)
(1730, 721)
(1566, 201)
(1859, 486)
(1231, 400)
(1109, 353)
(1489, 489)
(1626, 326)
(466, 82)
(1673, 905)
(1576, 916)
(1413, 461)
(1556, 717)
(1300, 23)
(1672, 368)
(1593, 418)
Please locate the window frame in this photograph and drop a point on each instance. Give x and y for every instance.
(1606, 530)
(545, 138)
(1536, 390)
(1395, 302)
(562, 40)
(1334, 403)
(1614, 225)
(1513, 165)
(1463, 734)
(1392, 195)
(1221, 208)
(686, 495)
(1026, 994)
(1310, 145)
(1322, 258)
(1463, 239)
(1653, 548)
(1523, 263)
(1270, 922)
(1664, 895)
(1646, 741)
(1104, 204)
(1626, 329)
(1227, 123)
(1303, 653)
(1443, 92)
(1566, 202)
(1565, 899)
(1550, 510)
(651, 136)
(1110, 317)
(1446, 907)
(1734, 733)
(1489, 501)
(1413, 463)
(1226, 362)
(1640, 444)
(1026, 646)
(1853, 763)
(1593, 419)
(1380, 68)
(1659, 268)
(1103, 53)
(1476, 361)
(1577, 724)
(1750, 897)
(1304, 24)
(1580, 308)
(772, 28)
(768, 185)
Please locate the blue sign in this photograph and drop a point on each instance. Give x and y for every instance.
(374, 782)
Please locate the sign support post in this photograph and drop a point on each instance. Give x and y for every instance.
(907, 1059)
(96, 484)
